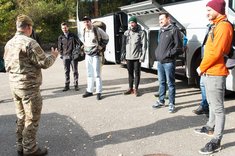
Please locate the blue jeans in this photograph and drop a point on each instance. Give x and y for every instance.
(204, 103)
(166, 76)
(93, 64)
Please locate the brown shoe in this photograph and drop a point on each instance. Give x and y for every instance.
(39, 152)
(136, 92)
(129, 91)
(205, 130)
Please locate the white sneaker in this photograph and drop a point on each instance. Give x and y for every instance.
(171, 108)
(158, 104)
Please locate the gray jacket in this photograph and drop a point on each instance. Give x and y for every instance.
(134, 44)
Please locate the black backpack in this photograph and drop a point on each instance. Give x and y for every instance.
(230, 58)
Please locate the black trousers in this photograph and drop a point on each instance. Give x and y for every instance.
(133, 66)
(74, 65)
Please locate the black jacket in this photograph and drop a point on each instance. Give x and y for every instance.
(66, 45)
(170, 44)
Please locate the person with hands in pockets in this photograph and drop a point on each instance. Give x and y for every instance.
(214, 69)
(134, 48)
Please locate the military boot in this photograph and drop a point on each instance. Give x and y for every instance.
(38, 152)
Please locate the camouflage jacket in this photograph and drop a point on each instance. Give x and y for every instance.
(24, 59)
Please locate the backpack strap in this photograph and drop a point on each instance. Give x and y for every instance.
(84, 34)
(214, 26)
(212, 34)
(209, 26)
(96, 33)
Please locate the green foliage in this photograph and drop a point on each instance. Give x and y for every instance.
(7, 19)
(48, 14)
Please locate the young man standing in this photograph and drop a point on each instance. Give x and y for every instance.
(169, 46)
(95, 39)
(213, 67)
(66, 45)
(134, 46)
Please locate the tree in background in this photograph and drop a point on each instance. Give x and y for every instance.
(48, 14)
(7, 19)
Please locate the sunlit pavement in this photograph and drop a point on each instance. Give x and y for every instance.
(117, 125)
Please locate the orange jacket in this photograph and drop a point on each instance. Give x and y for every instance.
(213, 60)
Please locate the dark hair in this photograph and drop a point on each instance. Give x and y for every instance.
(64, 24)
(164, 13)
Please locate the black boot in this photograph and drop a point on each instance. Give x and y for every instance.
(76, 88)
(39, 152)
(66, 88)
(87, 94)
(98, 96)
(20, 153)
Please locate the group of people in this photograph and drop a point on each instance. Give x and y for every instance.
(212, 69)
(24, 59)
(95, 40)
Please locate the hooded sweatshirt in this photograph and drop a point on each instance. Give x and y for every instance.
(170, 44)
(134, 44)
(213, 61)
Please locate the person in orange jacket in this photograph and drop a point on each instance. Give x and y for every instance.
(213, 67)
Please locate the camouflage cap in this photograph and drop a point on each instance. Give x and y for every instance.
(23, 20)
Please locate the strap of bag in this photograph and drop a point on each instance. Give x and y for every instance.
(95, 33)
(212, 35)
(207, 33)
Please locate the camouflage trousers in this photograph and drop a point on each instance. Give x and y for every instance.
(28, 105)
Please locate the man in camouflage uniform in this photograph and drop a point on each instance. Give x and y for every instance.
(24, 59)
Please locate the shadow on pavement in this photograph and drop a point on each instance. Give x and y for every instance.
(63, 136)
(229, 110)
(159, 127)
(6, 101)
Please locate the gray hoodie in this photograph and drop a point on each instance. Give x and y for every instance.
(134, 44)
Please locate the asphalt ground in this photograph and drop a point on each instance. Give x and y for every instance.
(117, 125)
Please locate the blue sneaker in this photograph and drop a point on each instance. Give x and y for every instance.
(158, 104)
(171, 108)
